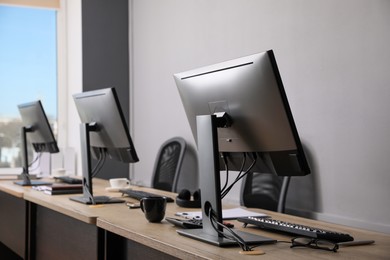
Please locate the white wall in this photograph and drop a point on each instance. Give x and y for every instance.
(334, 60)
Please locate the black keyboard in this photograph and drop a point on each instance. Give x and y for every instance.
(138, 194)
(296, 229)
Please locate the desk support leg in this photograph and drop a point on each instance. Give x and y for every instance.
(114, 246)
(31, 214)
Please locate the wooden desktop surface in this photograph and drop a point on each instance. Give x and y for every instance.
(62, 203)
(59, 203)
(9, 187)
(131, 224)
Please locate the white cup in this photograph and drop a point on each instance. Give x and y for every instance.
(119, 183)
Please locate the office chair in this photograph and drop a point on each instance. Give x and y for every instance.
(168, 164)
(265, 191)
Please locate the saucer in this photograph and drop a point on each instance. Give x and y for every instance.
(113, 189)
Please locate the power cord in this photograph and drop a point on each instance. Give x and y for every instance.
(100, 163)
(231, 236)
(37, 158)
(225, 191)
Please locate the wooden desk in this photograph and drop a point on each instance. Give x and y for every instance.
(64, 229)
(8, 186)
(13, 224)
(163, 239)
(49, 227)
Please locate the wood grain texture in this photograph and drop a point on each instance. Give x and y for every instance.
(139, 234)
(132, 225)
(11, 188)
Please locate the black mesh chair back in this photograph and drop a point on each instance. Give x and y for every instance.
(265, 191)
(168, 164)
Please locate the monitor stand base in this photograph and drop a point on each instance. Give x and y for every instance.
(32, 183)
(97, 200)
(249, 238)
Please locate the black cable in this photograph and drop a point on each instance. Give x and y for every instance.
(38, 157)
(249, 168)
(99, 165)
(227, 172)
(86, 188)
(239, 177)
(233, 235)
(242, 166)
(224, 190)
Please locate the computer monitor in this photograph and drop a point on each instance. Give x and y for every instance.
(37, 129)
(238, 109)
(103, 131)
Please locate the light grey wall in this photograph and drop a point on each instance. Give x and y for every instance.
(334, 60)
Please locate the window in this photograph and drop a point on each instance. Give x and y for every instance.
(28, 72)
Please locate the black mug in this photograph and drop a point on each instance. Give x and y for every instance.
(154, 208)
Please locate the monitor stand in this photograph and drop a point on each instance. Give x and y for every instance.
(87, 197)
(210, 186)
(215, 239)
(26, 180)
(32, 183)
(96, 200)
(25, 176)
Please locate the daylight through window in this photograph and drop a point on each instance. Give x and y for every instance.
(28, 72)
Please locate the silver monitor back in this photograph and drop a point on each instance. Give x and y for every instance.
(251, 92)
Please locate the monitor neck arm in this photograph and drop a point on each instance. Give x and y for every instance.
(85, 130)
(223, 120)
(209, 175)
(25, 172)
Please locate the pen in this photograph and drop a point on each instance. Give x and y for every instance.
(356, 243)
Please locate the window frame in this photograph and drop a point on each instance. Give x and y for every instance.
(62, 90)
